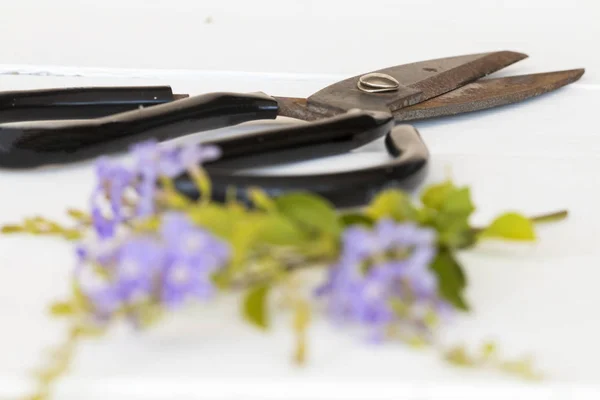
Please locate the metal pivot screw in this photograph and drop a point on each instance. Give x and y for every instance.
(377, 83)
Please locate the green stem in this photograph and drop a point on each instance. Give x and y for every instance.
(542, 218)
(63, 356)
(550, 217)
(286, 267)
(203, 184)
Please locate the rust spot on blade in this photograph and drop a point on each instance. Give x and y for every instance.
(489, 93)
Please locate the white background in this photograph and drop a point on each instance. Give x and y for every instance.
(538, 156)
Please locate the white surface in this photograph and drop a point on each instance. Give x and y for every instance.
(299, 36)
(537, 156)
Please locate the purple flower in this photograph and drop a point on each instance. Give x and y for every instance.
(112, 181)
(138, 262)
(171, 160)
(168, 267)
(192, 256)
(146, 190)
(177, 160)
(146, 158)
(93, 280)
(380, 270)
(153, 160)
(104, 227)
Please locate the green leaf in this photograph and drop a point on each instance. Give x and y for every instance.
(511, 226)
(217, 219)
(313, 213)
(392, 203)
(448, 209)
(458, 201)
(255, 308)
(435, 196)
(446, 197)
(253, 229)
(276, 229)
(356, 219)
(242, 241)
(451, 278)
(454, 230)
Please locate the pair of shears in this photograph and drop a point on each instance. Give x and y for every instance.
(58, 126)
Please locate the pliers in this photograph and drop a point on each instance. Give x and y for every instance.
(369, 105)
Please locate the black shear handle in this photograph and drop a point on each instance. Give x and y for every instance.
(38, 143)
(345, 188)
(352, 187)
(80, 103)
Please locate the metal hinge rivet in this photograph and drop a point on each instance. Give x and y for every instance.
(377, 83)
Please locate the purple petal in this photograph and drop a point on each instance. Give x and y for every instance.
(210, 153)
(104, 227)
(423, 283)
(358, 243)
(422, 256)
(147, 190)
(145, 153)
(386, 232)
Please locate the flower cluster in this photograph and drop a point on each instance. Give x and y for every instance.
(165, 268)
(131, 191)
(383, 278)
(145, 248)
(119, 273)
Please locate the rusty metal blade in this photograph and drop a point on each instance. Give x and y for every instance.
(295, 107)
(418, 82)
(489, 93)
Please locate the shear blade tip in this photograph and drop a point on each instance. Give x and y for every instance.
(572, 75)
(516, 54)
(512, 56)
